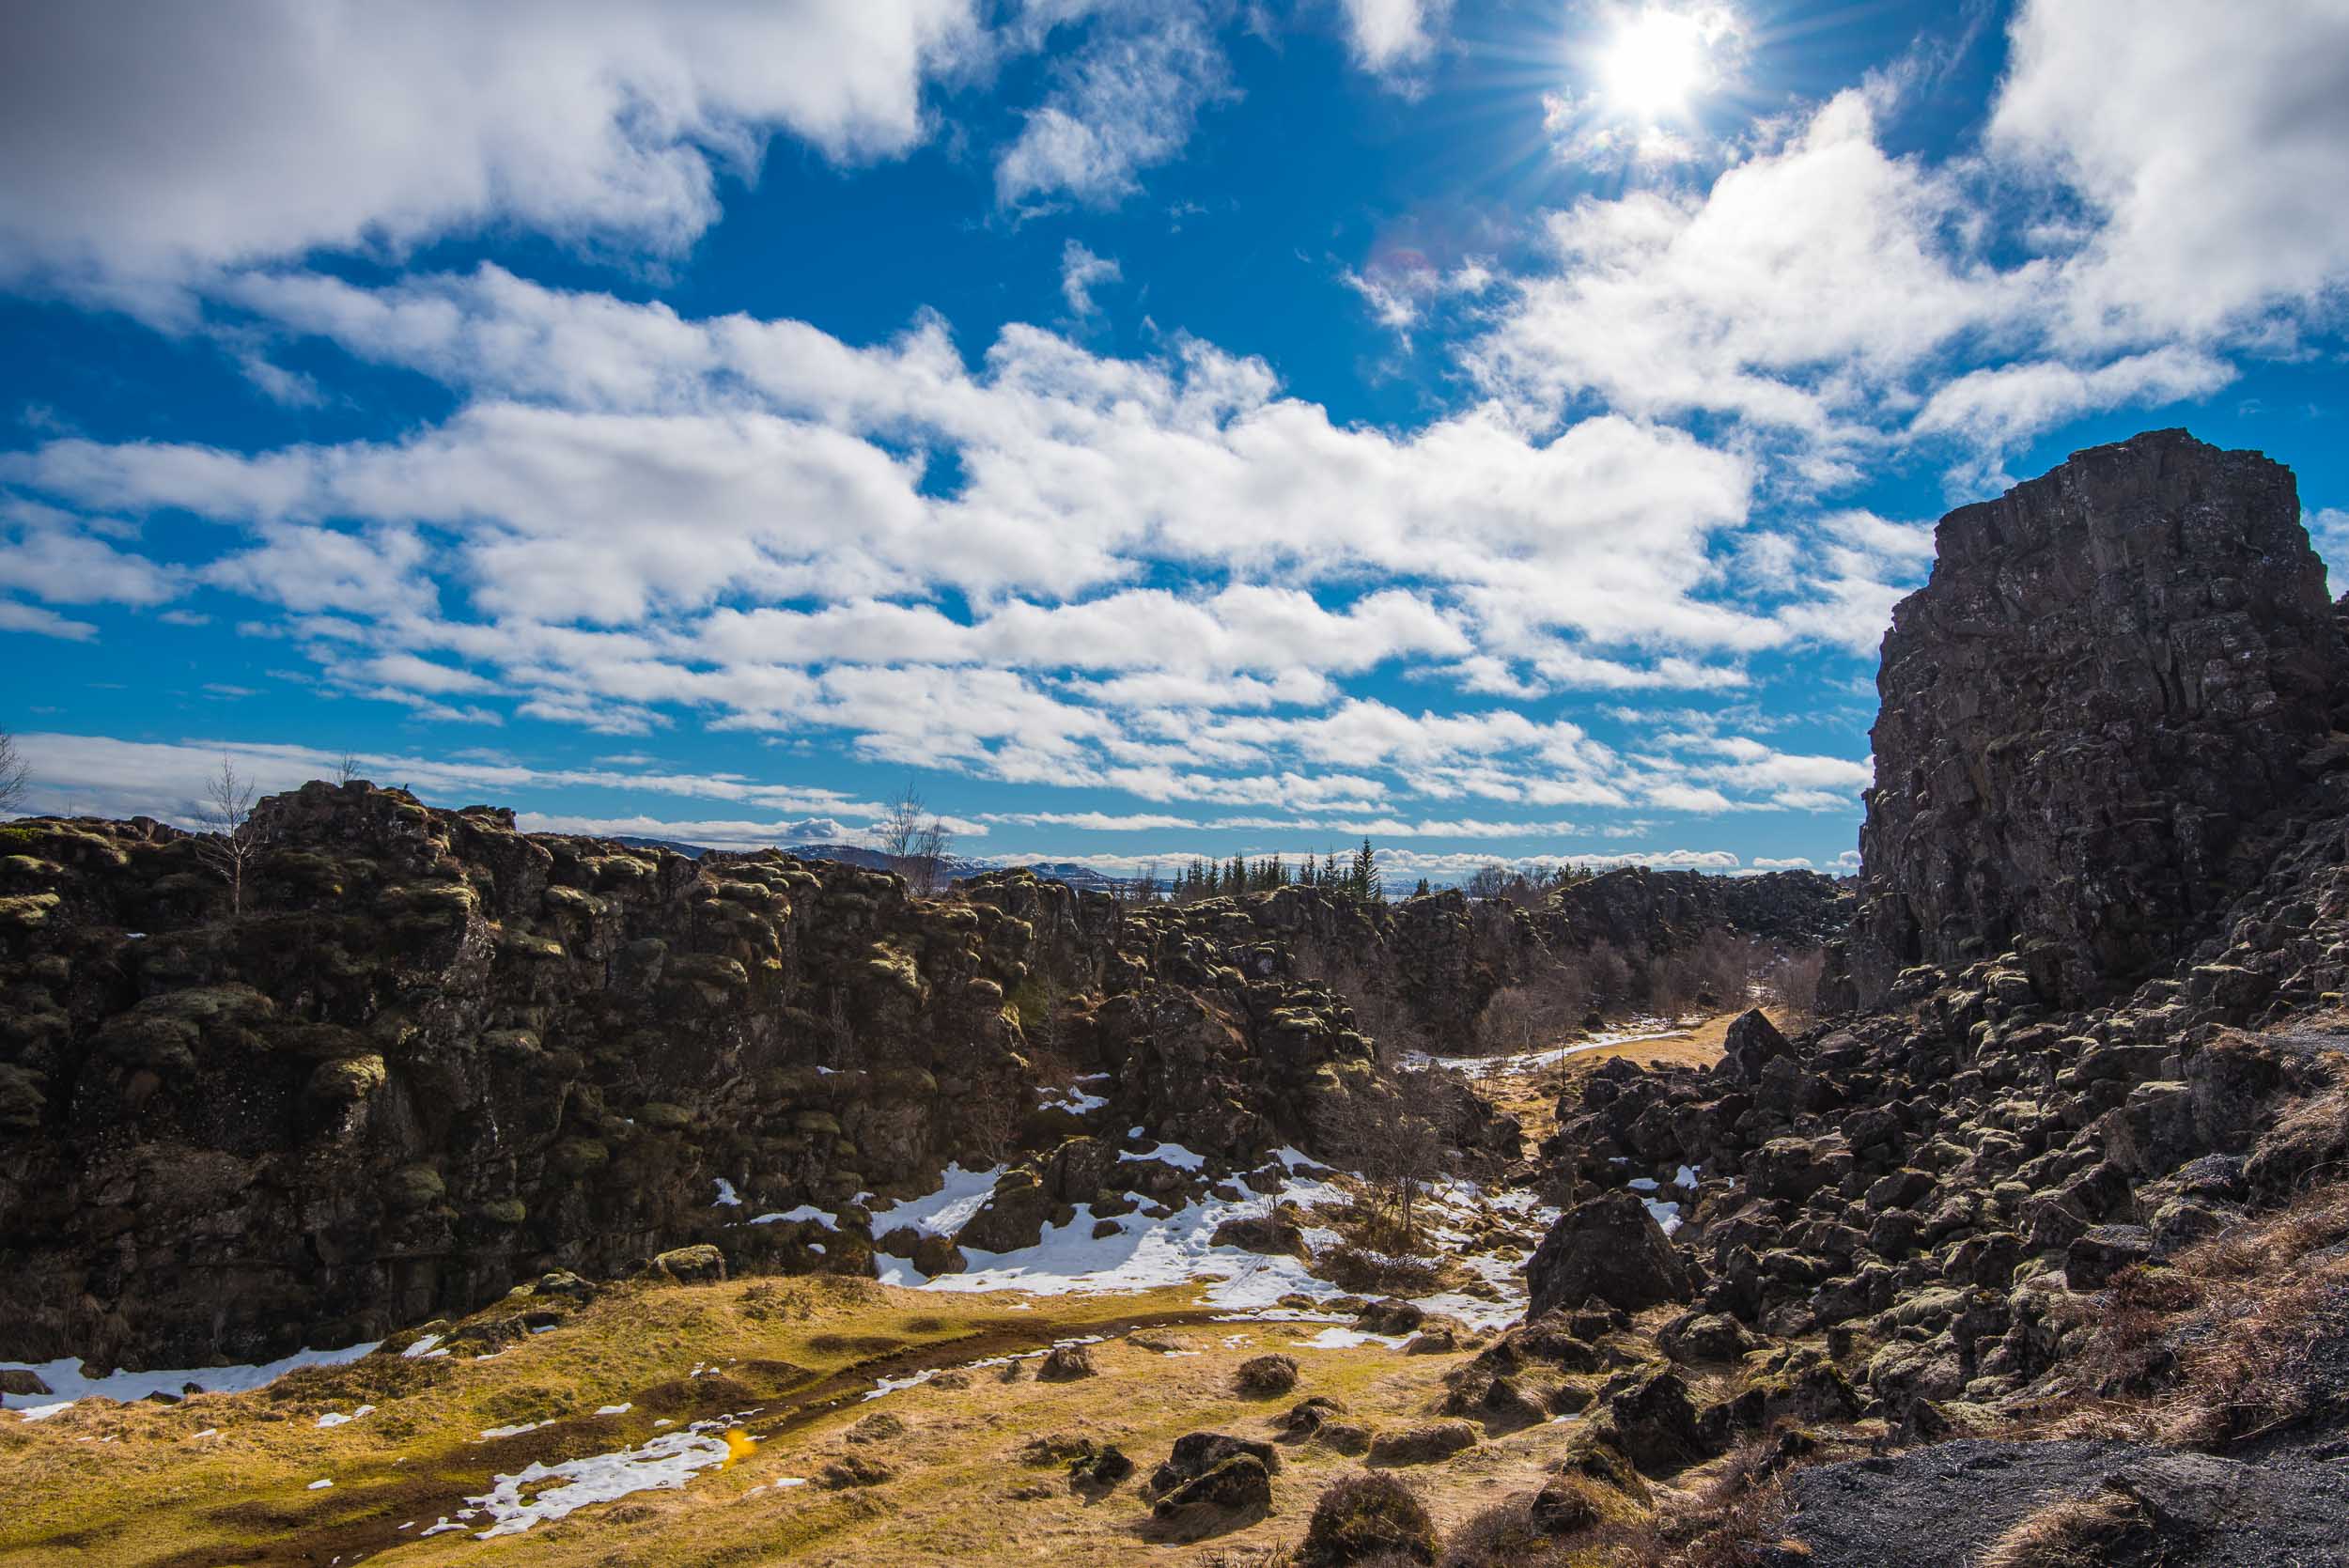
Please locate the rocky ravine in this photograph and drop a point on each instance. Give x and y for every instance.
(434, 1056)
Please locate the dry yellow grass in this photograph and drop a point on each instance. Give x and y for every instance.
(133, 1486)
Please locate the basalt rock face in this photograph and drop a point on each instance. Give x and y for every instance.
(1641, 910)
(2115, 671)
(434, 1055)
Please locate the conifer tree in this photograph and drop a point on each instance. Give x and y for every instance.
(1422, 891)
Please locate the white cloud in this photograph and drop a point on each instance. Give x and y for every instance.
(2210, 143)
(148, 143)
(1806, 282)
(51, 557)
(1081, 272)
(1388, 35)
(1997, 409)
(1125, 101)
(17, 616)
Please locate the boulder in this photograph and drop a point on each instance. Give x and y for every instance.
(1606, 1247)
(1367, 1518)
(1752, 1044)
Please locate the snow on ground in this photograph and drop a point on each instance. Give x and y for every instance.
(805, 1211)
(67, 1384)
(664, 1463)
(946, 1211)
(727, 1197)
(1632, 1034)
(1143, 1254)
(1167, 1154)
(1076, 1099)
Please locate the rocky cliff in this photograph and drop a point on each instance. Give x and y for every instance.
(2116, 672)
(2020, 1198)
(434, 1055)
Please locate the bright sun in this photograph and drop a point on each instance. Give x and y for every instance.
(1659, 58)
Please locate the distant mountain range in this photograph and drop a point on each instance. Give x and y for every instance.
(955, 867)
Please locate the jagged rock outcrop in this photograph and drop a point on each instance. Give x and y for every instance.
(2115, 670)
(1646, 911)
(435, 1055)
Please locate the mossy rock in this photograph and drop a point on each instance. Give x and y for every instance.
(578, 1156)
(1593, 1455)
(512, 1043)
(662, 1114)
(21, 1099)
(503, 1211)
(31, 868)
(816, 1123)
(418, 1187)
(529, 945)
(572, 901)
(28, 910)
(710, 968)
(348, 1078)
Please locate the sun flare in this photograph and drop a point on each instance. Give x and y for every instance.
(1656, 63)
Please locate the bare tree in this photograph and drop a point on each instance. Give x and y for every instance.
(1398, 1153)
(346, 767)
(230, 839)
(13, 773)
(914, 839)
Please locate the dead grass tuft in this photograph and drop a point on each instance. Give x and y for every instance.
(2072, 1532)
(2226, 1337)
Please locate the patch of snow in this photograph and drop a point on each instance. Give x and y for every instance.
(1136, 1131)
(335, 1418)
(67, 1384)
(664, 1464)
(805, 1211)
(1665, 1215)
(209, 1432)
(615, 1409)
(727, 1197)
(422, 1347)
(1073, 1100)
(1634, 1032)
(488, 1434)
(1348, 1339)
(1642, 1184)
(318, 1486)
(1169, 1154)
(962, 1194)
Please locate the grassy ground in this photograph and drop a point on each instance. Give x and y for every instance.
(135, 1484)
(221, 1480)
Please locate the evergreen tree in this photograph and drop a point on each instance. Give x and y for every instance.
(1235, 879)
(1328, 869)
(1422, 891)
(1364, 883)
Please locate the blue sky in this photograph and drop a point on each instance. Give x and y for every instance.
(1157, 428)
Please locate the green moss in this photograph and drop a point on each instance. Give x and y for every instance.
(416, 1187)
(574, 901)
(578, 1156)
(28, 910)
(660, 1113)
(503, 1211)
(348, 1078)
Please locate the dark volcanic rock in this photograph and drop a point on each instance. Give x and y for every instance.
(1608, 1247)
(434, 1056)
(1942, 1507)
(2114, 670)
(1752, 1044)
